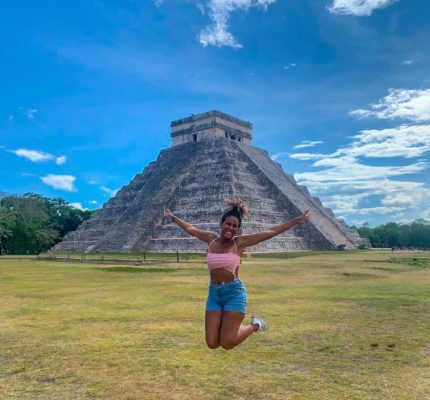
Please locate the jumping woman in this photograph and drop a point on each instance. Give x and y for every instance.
(226, 302)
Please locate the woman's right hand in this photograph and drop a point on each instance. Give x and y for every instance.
(168, 214)
(304, 217)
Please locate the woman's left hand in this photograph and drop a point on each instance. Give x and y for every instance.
(304, 217)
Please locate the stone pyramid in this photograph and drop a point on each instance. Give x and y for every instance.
(211, 158)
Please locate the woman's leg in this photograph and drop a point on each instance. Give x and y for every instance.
(232, 333)
(212, 328)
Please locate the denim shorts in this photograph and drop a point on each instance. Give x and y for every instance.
(230, 296)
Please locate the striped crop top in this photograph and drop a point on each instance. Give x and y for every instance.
(228, 261)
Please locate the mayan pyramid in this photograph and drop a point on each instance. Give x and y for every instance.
(211, 158)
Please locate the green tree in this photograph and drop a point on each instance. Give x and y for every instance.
(392, 235)
(416, 235)
(419, 235)
(7, 225)
(40, 222)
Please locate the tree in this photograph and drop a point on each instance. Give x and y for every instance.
(39, 222)
(7, 225)
(416, 235)
(420, 235)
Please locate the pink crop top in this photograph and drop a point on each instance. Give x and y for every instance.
(228, 261)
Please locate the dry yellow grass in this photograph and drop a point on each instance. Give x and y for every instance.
(342, 326)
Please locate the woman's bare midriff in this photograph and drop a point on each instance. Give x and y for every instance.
(219, 275)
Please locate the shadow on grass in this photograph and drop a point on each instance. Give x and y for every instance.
(358, 275)
(416, 262)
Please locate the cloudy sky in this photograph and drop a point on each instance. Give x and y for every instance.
(338, 92)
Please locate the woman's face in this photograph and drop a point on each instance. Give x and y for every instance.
(229, 227)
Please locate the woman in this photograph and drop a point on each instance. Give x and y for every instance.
(226, 302)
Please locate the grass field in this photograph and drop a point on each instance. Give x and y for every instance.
(342, 326)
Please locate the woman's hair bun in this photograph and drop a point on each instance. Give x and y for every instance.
(237, 204)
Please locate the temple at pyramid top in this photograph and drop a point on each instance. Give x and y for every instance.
(210, 125)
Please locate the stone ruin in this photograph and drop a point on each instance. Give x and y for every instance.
(211, 158)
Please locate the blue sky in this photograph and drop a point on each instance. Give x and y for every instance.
(338, 92)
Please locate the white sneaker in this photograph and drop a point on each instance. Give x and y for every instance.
(256, 320)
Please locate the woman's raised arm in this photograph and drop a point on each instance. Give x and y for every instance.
(204, 236)
(254, 238)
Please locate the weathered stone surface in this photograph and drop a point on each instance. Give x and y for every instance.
(210, 125)
(193, 179)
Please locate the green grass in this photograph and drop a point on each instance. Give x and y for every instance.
(414, 261)
(131, 256)
(343, 325)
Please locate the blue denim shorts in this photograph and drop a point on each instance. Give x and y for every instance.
(230, 296)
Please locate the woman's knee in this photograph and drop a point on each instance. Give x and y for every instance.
(227, 344)
(213, 344)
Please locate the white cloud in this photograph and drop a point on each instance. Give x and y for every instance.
(352, 204)
(344, 203)
(219, 12)
(307, 143)
(402, 141)
(377, 210)
(356, 175)
(306, 156)
(334, 160)
(292, 65)
(426, 214)
(38, 156)
(348, 185)
(33, 155)
(407, 62)
(110, 192)
(358, 7)
(201, 8)
(158, 2)
(276, 156)
(413, 198)
(31, 113)
(413, 105)
(61, 182)
(349, 189)
(60, 160)
(92, 202)
(78, 206)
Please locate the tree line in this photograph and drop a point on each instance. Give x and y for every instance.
(414, 235)
(31, 224)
